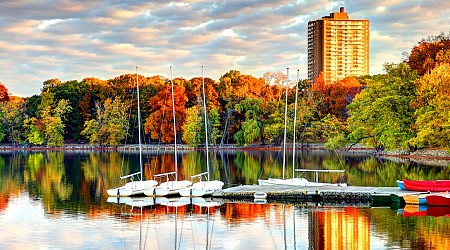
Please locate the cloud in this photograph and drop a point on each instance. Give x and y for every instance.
(72, 40)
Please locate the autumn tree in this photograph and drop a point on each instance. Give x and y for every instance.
(4, 94)
(35, 130)
(233, 88)
(432, 109)
(194, 93)
(160, 122)
(333, 98)
(423, 56)
(194, 132)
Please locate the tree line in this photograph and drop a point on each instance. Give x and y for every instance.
(407, 107)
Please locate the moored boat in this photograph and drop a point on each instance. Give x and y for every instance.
(416, 198)
(400, 185)
(432, 186)
(133, 187)
(380, 199)
(439, 199)
(203, 187)
(397, 198)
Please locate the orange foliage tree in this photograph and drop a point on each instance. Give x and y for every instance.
(160, 122)
(333, 98)
(423, 55)
(4, 95)
(194, 93)
(234, 88)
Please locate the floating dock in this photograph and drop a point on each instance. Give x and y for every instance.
(327, 194)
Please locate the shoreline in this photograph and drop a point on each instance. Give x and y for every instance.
(422, 154)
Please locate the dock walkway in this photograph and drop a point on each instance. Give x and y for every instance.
(329, 193)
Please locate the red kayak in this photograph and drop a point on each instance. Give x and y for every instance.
(441, 199)
(432, 186)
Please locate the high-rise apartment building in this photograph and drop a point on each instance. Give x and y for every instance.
(338, 47)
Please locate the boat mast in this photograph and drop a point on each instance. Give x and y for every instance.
(174, 127)
(295, 121)
(206, 123)
(139, 123)
(285, 122)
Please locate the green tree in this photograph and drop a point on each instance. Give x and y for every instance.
(251, 128)
(214, 126)
(52, 117)
(11, 119)
(111, 124)
(274, 124)
(34, 134)
(192, 128)
(381, 115)
(73, 92)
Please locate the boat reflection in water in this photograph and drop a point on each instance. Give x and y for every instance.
(184, 221)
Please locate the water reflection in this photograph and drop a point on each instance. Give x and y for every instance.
(58, 200)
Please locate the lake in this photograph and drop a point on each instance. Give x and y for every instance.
(58, 200)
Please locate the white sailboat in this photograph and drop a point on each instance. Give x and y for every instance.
(203, 187)
(297, 181)
(134, 187)
(169, 187)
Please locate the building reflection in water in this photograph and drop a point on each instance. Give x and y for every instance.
(339, 228)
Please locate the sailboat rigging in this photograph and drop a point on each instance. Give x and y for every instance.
(134, 187)
(203, 188)
(170, 187)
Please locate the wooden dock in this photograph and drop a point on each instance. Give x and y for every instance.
(326, 194)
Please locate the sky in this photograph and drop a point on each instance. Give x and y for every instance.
(77, 39)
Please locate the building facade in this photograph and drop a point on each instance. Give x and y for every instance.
(338, 47)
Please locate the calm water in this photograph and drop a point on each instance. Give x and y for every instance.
(57, 200)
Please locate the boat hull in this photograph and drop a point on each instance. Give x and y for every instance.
(120, 191)
(202, 188)
(438, 199)
(415, 199)
(168, 188)
(132, 188)
(401, 185)
(432, 186)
